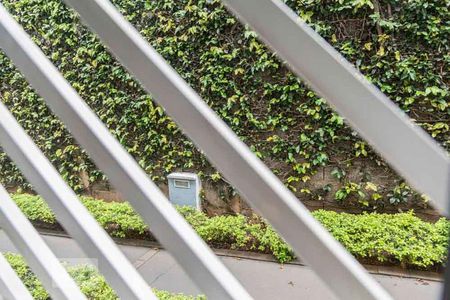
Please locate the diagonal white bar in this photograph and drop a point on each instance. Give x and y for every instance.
(11, 287)
(70, 212)
(249, 175)
(405, 146)
(169, 227)
(36, 252)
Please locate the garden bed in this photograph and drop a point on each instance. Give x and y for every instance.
(387, 239)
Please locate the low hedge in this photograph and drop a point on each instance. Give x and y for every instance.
(399, 238)
(91, 283)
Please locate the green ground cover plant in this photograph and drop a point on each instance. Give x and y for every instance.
(401, 46)
(377, 238)
(91, 283)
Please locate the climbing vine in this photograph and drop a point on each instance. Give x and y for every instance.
(401, 46)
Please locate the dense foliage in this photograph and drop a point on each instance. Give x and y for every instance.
(401, 46)
(91, 283)
(388, 238)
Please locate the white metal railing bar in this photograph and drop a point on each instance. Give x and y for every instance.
(167, 225)
(337, 268)
(11, 287)
(70, 212)
(405, 146)
(41, 259)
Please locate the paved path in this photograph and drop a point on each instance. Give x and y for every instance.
(264, 280)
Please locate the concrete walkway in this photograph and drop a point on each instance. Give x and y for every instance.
(264, 280)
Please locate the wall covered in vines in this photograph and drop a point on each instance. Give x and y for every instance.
(402, 46)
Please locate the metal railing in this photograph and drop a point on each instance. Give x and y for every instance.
(416, 156)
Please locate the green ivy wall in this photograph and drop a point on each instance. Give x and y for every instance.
(401, 46)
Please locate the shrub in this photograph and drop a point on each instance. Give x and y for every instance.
(35, 208)
(395, 238)
(26, 275)
(117, 218)
(91, 283)
(400, 237)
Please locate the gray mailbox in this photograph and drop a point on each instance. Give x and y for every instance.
(184, 189)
